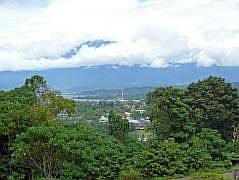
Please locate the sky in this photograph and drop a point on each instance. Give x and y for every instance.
(34, 34)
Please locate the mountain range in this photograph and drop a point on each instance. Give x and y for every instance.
(118, 77)
(95, 43)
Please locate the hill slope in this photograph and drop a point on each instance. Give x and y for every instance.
(108, 77)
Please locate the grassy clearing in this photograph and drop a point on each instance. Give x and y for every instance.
(210, 174)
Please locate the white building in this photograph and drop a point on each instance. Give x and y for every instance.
(103, 119)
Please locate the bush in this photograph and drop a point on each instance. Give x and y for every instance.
(130, 175)
(232, 152)
(161, 158)
(208, 150)
(197, 155)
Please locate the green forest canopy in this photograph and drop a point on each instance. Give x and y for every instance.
(193, 129)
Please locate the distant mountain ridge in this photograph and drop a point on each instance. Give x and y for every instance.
(95, 43)
(125, 93)
(128, 93)
(108, 77)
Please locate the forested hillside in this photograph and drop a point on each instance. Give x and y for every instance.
(134, 93)
(191, 129)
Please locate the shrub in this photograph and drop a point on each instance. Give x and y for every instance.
(130, 175)
(161, 158)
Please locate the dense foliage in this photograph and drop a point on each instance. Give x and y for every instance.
(191, 129)
(30, 105)
(67, 152)
(178, 113)
(118, 127)
(170, 114)
(215, 105)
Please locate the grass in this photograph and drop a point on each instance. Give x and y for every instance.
(210, 174)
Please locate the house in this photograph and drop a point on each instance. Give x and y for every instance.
(103, 119)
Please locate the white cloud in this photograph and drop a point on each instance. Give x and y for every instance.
(156, 33)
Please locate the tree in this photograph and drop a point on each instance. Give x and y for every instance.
(57, 103)
(24, 107)
(213, 141)
(49, 105)
(161, 158)
(215, 105)
(198, 156)
(207, 150)
(36, 83)
(170, 114)
(49, 102)
(21, 108)
(34, 151)
(15, 110)
(67, 152)
(118, 127)
(232, 152)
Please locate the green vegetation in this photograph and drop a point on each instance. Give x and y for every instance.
(118, 127)
(194, 131)
(67, 152)
(130, 175)
(208, 176)
(214, 104)
(129, 93)
(91, 112)
(170, 114)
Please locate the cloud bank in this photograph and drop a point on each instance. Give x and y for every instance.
(35, 34)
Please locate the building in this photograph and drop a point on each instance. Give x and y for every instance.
(103, 119)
